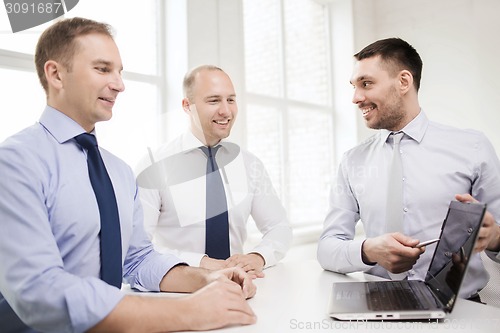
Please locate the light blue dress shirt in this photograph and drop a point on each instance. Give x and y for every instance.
(49, 244)
(438, 162)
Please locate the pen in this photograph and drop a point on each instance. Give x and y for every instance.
(431, 241)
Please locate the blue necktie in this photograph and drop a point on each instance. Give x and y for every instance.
(111, 246)
(217, 223)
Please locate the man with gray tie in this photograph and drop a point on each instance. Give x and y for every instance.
(200, 190)
(400, 181)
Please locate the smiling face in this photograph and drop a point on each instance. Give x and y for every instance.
(211, 106)
(87, 91)
(378, 95)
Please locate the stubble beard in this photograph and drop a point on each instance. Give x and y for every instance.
(393, 113)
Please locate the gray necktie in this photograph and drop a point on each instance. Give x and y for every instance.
(394, 213)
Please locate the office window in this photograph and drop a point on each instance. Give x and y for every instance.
(136, 116)
(264, 130)
(22, 41)
(288, 90)
(263, 47)
(22, 102)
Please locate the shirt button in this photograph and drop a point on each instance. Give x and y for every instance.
(405, 209)
(469, 230)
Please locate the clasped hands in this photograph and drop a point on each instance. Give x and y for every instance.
(252, 263)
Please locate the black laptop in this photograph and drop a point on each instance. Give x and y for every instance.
(414, 299)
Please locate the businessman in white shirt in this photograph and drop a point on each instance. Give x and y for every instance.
(172, 184)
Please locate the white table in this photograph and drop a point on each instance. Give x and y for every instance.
(293, 297)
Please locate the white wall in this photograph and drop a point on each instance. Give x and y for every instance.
(215, 36)
(205, 32)
(458, 42)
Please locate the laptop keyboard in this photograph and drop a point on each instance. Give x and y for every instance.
(395, 295)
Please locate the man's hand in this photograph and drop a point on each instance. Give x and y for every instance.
(219, 304)
(489, 234)
(212, 264)
(235, 275)
(395, 252)
(219, 300)
(252, 263)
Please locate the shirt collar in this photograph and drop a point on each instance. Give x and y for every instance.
(59, 125)
(190, 142)
(415, 129)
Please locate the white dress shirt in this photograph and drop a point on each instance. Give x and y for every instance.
(173, 194)
(438, 162)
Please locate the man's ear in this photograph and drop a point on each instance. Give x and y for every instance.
(405, 81)
(53, 73)
(185, 105)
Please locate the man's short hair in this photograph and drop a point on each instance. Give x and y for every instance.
(189, 79)
(397, 55)
(58, 43)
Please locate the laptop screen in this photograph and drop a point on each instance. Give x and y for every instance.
(457, 240)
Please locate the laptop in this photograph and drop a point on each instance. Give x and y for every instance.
(415, 299)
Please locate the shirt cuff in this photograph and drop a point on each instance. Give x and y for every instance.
(355, 256)
(267, 254)
(150, 275)
(90, 302)
(192, 258)
(495, 256)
